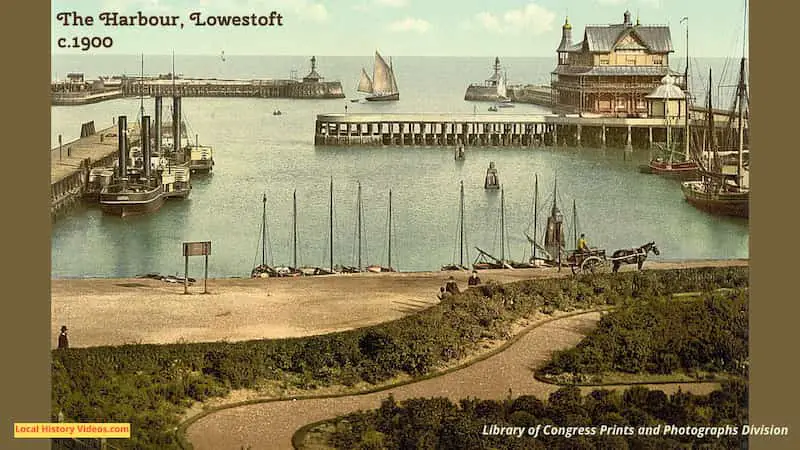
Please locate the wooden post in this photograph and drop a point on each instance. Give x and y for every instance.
(650, 129)
(628, 145)
(186, 275)
(59, 146)
(579, 135)
(205, 280)
(603, 137)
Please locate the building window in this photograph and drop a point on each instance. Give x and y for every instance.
(631, 61)
(604, 60)
(658, 60)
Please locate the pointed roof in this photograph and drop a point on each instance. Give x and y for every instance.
(605, 38)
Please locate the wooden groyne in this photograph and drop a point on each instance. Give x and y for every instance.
(71, 162)
(505, 130)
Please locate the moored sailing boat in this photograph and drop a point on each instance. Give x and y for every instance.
(461, 244)
(719, 192)
(387, 268)
(264, 270)
(383, 85)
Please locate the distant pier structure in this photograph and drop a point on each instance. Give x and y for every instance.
(311, 86)
(486, 91)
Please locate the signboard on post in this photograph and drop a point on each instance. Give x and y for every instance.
(201, 248)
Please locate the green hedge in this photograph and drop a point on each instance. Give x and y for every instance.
(437, 423)
(149, 385)
(664, 336)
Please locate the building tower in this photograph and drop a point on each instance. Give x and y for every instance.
(566, 42)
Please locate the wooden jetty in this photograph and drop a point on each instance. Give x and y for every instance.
(503, 130)
(71, 162)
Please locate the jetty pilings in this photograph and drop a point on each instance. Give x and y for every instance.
(491, 130)
(71, 162)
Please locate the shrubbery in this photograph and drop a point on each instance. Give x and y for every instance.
(437, 423)
(662, 336)
(148, 385)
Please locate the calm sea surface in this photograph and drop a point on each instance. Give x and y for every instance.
(256, 153)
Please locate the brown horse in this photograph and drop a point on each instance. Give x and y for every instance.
(633, 255)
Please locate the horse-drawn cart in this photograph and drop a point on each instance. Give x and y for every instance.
(596, 261)
(591, 261)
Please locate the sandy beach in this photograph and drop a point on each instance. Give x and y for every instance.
(147, 311)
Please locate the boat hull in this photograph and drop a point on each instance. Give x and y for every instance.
(130, 203)
(736, 204)
(383, 98)
(680, 170)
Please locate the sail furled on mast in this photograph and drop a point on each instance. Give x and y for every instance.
(365, 84)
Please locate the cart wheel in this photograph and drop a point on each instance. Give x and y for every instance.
(592, 264)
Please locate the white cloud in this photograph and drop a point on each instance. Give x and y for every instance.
(392, 3)
(531, 18)
(410, 24)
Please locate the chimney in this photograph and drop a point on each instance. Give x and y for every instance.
(176, 124)
(157, 126)
(122, 137)
(146, 146)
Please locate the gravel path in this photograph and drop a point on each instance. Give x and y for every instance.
(271, 425)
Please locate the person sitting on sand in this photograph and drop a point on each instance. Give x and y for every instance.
(443, 294)
(474, 280)
(451, 286)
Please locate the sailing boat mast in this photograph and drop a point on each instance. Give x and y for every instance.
(575, 223)
(502, 227)
(264, 231)
(687, 113)
(712, 140)
(741, 100)
(358, 209)
(461, 220)
(390, 228)
(294, 228)
(535, 214)
(331, 223)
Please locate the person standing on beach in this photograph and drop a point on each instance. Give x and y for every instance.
(63, 340)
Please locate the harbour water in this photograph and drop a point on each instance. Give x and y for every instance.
(256, 153)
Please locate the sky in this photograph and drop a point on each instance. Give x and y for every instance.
(513, 28)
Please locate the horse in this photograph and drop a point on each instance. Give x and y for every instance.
(633, 255)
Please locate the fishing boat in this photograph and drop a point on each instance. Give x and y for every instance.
(461, 243)
(201, 157)
(277, 112)
(491, 181)
(722, 192)
(132, 192)
(553, 246)
(382, 86)
(666, 163)
(493, 108)
(377, 268)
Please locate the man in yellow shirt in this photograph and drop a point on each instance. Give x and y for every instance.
(582, 245)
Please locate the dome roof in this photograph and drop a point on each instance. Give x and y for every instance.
(668, 89)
